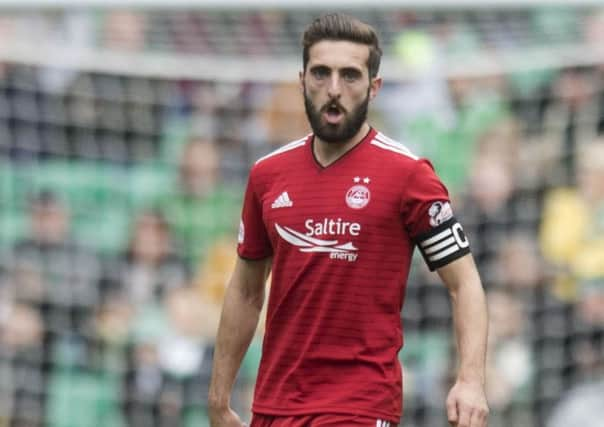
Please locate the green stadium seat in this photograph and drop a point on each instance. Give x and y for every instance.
(102, 197)
(82, 399)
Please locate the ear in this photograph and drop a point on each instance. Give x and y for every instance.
(301, 80)
(376, 84)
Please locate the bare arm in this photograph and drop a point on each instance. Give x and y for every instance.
(241, 309)
(466, 403)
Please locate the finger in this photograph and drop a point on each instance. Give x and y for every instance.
(474, 418)
(478, 418)
(452, 414)
(484, 417)
(464, 414)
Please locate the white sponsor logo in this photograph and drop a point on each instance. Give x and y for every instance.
(331, 227)
(283, 201)
(358, 196)
(308, 243)
(440, 212)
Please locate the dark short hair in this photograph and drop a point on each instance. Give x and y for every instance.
(44, 197)
(337, 27)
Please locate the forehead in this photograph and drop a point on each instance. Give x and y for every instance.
(338, 54)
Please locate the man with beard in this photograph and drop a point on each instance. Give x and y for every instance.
(336, 216)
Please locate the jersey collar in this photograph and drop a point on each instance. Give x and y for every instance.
(311, 140)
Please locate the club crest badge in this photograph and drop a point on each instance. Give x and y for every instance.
(358, 196)
(440, 212)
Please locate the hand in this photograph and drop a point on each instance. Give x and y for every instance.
(224, 418)
(467, 405)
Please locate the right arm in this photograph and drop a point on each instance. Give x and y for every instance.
(240, 312)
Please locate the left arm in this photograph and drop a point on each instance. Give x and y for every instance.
(466, 402)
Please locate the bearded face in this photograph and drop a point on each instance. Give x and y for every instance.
(337, 89)
(333, 123)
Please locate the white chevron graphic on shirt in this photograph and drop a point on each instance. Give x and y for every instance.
(283, 201)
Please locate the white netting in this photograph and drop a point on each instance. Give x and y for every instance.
(262, 45)
(125, 140)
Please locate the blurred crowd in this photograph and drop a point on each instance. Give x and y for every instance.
(120, 199)
(276, 32)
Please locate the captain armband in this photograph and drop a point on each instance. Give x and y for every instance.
(443, 244)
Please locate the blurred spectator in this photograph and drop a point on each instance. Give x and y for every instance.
(22, 392)
(531, 364)
(425, 359)
(200, 209)
(426, 355)
(211, 283)
(421, 111)
(124, 30)
(215, 271)
(486, 213)
(424, 99)
(571, 119)
(572, 228)
(113, 320)
(594, 36)
(170, 362)
(494, 205)
(509, 361)
(54, 278)
(446, 123)
(572, 241)
(581, 403)
(556, 24)
(594, 28)
(150, 266)
(283, 113)
(581, 406)
(518, 266)
(52, 271)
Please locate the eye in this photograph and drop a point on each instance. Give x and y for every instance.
(351, 75)
(320, 73)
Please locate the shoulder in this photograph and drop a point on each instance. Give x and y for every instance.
(267, 168)
(284, 152)
(389, 152)
(392, 149)
(397, 159)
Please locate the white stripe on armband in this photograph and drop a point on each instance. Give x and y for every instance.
(443, 244)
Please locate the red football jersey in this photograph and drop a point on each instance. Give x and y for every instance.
(341, 238)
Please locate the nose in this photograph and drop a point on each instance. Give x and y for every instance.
(334, 90)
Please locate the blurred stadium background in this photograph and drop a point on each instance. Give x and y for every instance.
(125, 140)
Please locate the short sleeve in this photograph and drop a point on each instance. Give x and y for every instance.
(429, 219)
(253, 240)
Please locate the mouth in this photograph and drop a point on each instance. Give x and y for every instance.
(333, 114)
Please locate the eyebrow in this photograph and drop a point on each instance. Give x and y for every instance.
(351, 69)
(343, 69)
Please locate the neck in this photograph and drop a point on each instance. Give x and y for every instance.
(328, 152)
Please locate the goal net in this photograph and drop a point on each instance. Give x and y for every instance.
(126, 136)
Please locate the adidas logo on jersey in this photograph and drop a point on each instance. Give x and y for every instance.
(283, 201)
